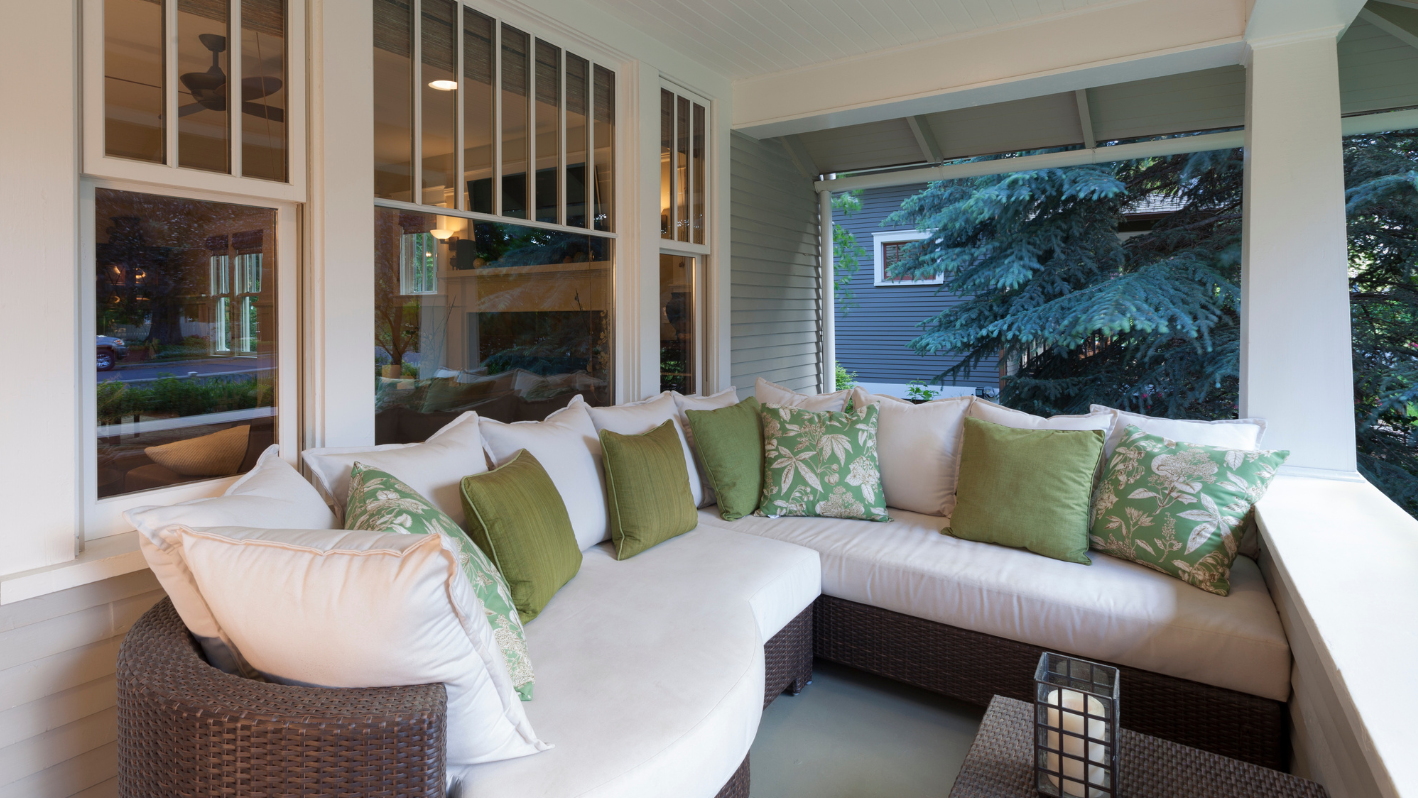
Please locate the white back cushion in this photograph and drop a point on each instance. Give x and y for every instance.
(271, 495)
(769, 393)
(725, 398)
(640, 417)
(1018, 419)
(434, 468)
(918, 450)
(1236, 433)
(335, 608)
(566, 445)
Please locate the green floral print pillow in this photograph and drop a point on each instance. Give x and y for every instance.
(821, 464)
(380, 502)
(1178, 507)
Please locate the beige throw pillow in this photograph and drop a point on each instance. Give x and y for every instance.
(216, 455)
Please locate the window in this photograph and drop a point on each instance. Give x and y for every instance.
(888, 248)
(682, 167)
(679, 353)
(184, 305)
(512, 321)
(530, 149)
(198, 38)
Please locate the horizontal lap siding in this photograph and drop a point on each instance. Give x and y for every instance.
(774, 269)
(58, 716)
(874, 334)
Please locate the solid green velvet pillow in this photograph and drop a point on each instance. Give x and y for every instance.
(730, 445)
(647, 489)
(518, 519)
(1026, 488)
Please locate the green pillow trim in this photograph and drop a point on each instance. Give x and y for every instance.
(821, 464)
(381, 502)
(647, 489)
(1179, 508)
(1026, 488)
(517, 517)
(730, 445)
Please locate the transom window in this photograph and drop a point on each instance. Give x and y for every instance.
(683, 122)
(472, 114)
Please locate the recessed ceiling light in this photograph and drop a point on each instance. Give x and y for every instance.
(443, 85)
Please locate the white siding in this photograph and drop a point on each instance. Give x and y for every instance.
(58, 654)
(774, 268)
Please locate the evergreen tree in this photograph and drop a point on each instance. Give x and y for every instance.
(1381, 172)
(1150, 323)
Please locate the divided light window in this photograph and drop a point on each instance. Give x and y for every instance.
(682, 167)
(214, 45)
(474, 115)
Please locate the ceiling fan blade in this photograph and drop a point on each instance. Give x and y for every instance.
(264, 112)
(188, 110)
(256, 88)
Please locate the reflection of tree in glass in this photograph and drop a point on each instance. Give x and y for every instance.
(395, 315)
(141, 282)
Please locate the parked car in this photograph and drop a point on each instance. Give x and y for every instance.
(110, 351)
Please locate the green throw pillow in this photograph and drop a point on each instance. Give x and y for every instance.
(380, 502)
(518, 519)
(730, 445)
(1026, 488)
(647, 489)
(821, 464)
(1178, 507)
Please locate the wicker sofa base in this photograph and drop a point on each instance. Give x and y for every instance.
(973, 667)
(188, 729)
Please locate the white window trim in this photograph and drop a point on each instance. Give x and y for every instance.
(104, 517)
(97, 163)
(878, 265)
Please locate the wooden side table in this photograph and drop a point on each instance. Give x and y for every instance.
(1000, 765)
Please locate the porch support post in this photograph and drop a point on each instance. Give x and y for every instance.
(1296, 370)
(828, 306)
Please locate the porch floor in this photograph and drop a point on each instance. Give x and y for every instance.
(854, 735)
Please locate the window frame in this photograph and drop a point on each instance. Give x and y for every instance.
(878, 240)
(673, 245)
(96, 162)
(104, 517)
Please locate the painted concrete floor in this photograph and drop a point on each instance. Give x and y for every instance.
(853, 735)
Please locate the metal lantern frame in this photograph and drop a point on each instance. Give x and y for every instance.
(1093, 724)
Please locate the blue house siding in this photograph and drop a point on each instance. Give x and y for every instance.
(875, 329)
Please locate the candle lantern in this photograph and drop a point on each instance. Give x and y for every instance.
(1075, 728)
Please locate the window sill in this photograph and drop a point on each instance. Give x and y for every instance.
(102, 559)
(1348, 554)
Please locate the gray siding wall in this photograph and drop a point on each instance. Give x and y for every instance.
(774, 269)
(873, 335)
(58, 655)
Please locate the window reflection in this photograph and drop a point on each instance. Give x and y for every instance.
(604, 136)
(185, 306)
(478, 129)
(393, 100)
(509, 321)
(438, 84)
(516, 77)
(263, 89)
(548, 118)
(203, 64)
(677, 330)
(133, 79)
(578, 102)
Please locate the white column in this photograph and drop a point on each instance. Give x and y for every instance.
(41, 273)
(829, 308)
(1295, 342)
(339, 326)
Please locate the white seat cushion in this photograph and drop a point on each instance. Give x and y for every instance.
(1113, 610)
(650, 671)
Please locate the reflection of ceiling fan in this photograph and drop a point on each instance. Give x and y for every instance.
(209, 88)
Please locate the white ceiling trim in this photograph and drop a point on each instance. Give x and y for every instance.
(1091, 47)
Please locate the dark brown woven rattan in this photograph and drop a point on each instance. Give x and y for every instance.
(738, 783)
(788, 658)
(1000, 765)
(188, 729)
(973, 667)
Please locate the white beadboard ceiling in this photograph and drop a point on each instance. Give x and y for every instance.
(748, 38)
(1377, 71)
